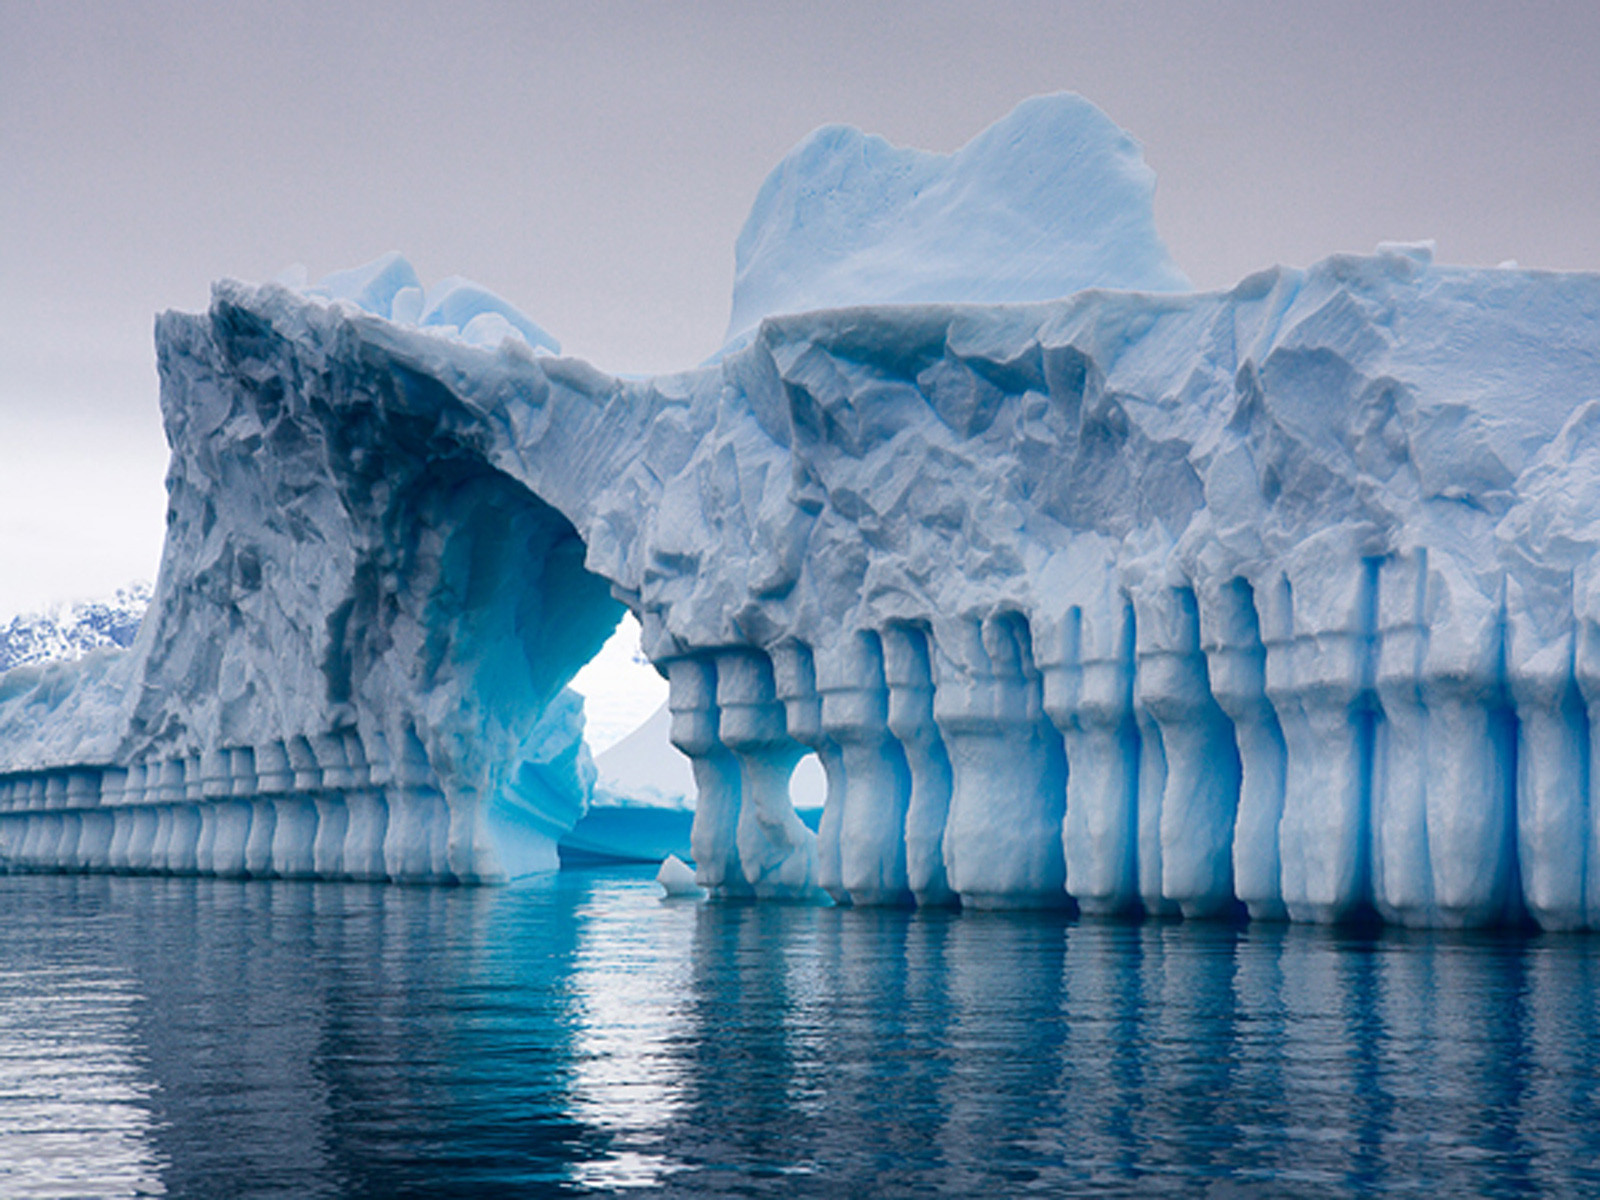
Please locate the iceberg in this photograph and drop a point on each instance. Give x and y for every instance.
(1281, 599)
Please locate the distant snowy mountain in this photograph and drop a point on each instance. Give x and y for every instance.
(72, 630)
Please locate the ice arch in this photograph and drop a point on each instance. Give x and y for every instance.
(508, 616)
(356, 662)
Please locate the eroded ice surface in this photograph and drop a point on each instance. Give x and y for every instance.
(1282, 596)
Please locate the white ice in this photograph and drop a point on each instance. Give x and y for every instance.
(1050, 200)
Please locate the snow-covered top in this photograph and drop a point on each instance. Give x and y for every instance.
(457, 308)
(1050, 200)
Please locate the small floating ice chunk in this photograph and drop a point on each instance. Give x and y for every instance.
(676, 878)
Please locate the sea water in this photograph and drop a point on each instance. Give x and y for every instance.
(576, 1035)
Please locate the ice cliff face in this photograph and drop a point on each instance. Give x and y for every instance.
(1281, 597)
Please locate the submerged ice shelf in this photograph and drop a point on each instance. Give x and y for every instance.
(1283, 597)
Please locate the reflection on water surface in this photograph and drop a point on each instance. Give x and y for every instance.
(574, 1035)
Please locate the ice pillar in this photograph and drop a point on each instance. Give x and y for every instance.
(908, 671)
(1087, 660)
(1402, 879)
(1236, 664)
(1554, 838)
(777, 853)
(415, 833)
(1003, 835)
(367, 816)
(1317, 626)
(1190, 838)
(877, 785)
(714, 838)
(795, 679)
(1471, 747)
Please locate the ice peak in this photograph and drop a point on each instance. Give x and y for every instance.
(1049, 200)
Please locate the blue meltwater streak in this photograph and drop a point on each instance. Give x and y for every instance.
(575, 1035)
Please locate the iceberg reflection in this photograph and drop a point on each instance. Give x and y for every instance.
(574, 1035)
(75, 1115)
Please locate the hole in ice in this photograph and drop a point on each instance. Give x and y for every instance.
(628, 729)
(620, 689)
(808, 788)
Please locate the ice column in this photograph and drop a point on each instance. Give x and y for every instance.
(714, 838)
(414, 839)
(1317, 624)
(233, 815)
(327, 846)
(1586, 668)
(1554, 835)
(80, 837)
(1087, 659)
(776, 851)
(366, 815)
(118, 854)
(470, 850)
(1470, 751)
(294, 832)
(877, 785)
(1402, 879)
(1003, 836)
(60, 834)
(99, 823)
(1193, 835)
(1152, 783)
(274, 777)
(795, 679)
(908, 672)
(1236, 664)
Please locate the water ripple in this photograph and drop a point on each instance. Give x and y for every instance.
(576, 1036)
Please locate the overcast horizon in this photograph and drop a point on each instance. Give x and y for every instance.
(593, 164)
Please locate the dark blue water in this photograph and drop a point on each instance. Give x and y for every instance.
(576, 1036)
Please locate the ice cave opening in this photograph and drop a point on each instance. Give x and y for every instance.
(644, 793)
(552, 652)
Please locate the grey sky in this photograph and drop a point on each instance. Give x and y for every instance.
(593, 162)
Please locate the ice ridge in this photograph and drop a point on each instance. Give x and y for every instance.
(454, 307)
